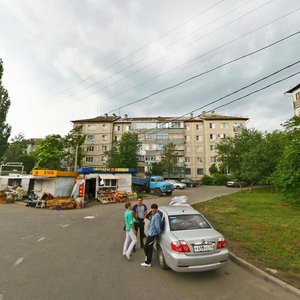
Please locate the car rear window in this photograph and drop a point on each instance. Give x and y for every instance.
(187, 222)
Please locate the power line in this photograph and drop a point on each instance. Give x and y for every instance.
(181, 66)
(230, 94)
(141, 60)
(137, 50)
(205, 72)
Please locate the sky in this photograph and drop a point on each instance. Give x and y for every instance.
(78, 59)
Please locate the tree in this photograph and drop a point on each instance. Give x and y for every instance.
(16, 152)
(5, 129)
(156, 169)
(73, 142)
(50, 152)
(125, 153)
(169, 158)
(286, 178)
(250, 156)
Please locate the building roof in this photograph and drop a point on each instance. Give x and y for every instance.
(293, 89)
(105, 118)
(212, 116)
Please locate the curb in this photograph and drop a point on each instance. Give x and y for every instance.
(287, 287)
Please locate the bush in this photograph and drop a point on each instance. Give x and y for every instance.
(220, 179)
(207, 180)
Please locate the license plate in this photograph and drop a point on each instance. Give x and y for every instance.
(204, 248)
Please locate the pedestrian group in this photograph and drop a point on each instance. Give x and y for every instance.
(134, 222)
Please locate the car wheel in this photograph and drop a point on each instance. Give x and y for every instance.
(157, 192)
(168, 193)
(161, 258)
(177, 187)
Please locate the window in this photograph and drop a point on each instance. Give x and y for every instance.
(200, 171)
(118, 128)
(104, 148)
(104, 138)
(161, 125)
(150, 158)
(224, 125)
(212, 137)
(162, 136)
(128, 127)
(199, 138)
(91, 127)
(187, 138)
(176, 125)
(90, 148)
(150, 136)
(212, 125)
(187, 222)
(199, 149)
(223, 136)
(212, 147)
(187, 127)
(90, 138)
(188, 149)
(104, 127)
(103, 158)
(199, 127)
(89, 159)
(187, 160)
(297, 96)
(187, 171)
(213, 159)
(199, 159)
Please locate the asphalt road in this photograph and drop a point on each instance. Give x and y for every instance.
(77, 254)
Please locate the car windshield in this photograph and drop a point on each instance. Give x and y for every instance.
(187, 222)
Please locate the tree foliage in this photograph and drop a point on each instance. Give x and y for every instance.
(73, 142)
(50, 152)
(5, 129)
(287, 175)
(125, 153)
(169, 158)
(156, 169)
(251, 156)
(17, 152)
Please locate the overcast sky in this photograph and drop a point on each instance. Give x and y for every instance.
(66, 60)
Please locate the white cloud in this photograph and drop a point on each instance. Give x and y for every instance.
(57, 57)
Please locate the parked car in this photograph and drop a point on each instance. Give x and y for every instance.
(236, 183)
(188, 242)
(189, 182)
(177, 184)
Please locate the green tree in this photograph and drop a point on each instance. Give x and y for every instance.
(248, 155)
(50, 152)
(5, 129)
(286, 178)
(169, 158)
(125, 153)
(16, 152)
(73, 142)
(157, 169)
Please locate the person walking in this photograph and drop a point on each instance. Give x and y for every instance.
(139, 212)
(130, 239)
(153, 234)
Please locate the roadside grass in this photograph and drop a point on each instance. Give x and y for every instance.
(261, 228)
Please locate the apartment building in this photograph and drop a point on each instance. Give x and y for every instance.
(195, 138)
(295, 91)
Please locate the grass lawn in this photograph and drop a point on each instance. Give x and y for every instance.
(261, 228)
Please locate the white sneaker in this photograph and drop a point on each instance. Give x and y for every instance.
(128, 256)
(145, 265)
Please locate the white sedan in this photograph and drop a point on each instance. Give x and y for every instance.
(177, 184)
(188, 242)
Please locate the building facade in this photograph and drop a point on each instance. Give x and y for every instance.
(195, 138)
(295, 91)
